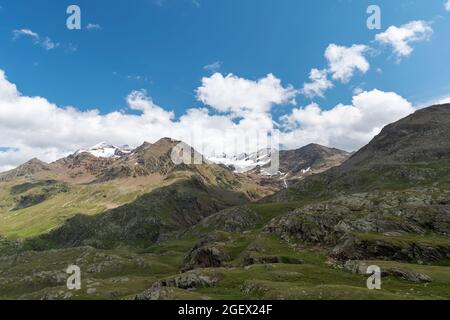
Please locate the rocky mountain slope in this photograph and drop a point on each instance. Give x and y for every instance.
(294, 164)
(27, 169)
(311, 159)
(37, 197)
(411, 152)
(105, 177)
(422, 137)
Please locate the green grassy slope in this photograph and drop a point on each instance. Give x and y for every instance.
(58, 205)
(123, 273)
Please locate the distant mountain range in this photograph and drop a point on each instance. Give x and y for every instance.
(105, 162)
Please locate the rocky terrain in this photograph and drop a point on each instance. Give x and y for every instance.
(164, 231)
(294, 165)
(411, 152)
(309, 160)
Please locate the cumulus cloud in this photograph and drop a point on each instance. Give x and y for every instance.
(401, 38)
(231, 94)
(34, 127)
(45, 42)
(345, 126)
(344, 61)
(318, 85)
(447, 5)
(139, 100)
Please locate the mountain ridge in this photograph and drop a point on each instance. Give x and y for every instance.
(395, 157)
(104, 162)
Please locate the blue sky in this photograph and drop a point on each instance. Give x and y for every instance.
(163, 46)
(167, 43)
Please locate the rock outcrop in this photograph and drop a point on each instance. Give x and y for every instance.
(383, 225)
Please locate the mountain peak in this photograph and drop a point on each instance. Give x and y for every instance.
(28, 168)
(167, 141)
(35, 162)
(421, 137)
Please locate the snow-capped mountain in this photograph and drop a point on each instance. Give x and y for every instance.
(293, 164)
(244, 162)
(105, 150)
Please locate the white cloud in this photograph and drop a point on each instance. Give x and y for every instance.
(401, 38)
(94, 27)
(139, 100)
(213, 67)
(344, 61)
(357, 90)
(444, 100)
(447, 5)
(239, 96)
(25, 32)
(318, 85)
(34, 127)
(46, 42)
(345, 126)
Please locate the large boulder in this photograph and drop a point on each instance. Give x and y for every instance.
(356, 248)
(205, 255)
(164, 289)
(237, 219)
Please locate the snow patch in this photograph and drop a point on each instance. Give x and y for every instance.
(245, 162)
(105, 150)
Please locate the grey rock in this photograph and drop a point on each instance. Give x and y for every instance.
(205, 256)
(189, 280)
